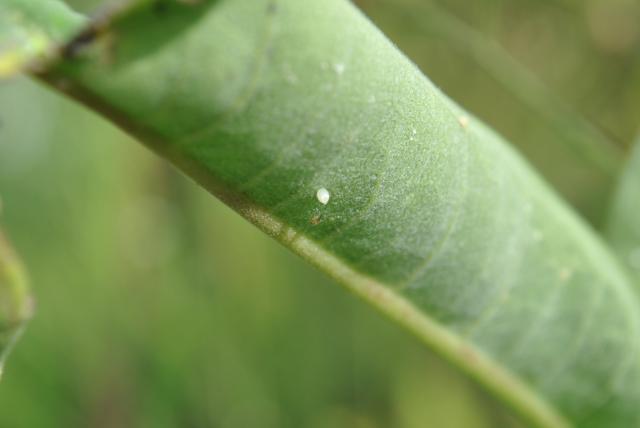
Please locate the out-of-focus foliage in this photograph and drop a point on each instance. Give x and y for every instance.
(15, 301)
(29, 30)
(623, 227)
(164, 309)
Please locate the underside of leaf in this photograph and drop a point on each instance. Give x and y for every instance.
(304, 118)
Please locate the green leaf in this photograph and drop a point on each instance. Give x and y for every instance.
(426, 213)
(624, 219)
(15, 301)
(30, 29)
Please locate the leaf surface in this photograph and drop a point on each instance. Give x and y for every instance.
(304, 118)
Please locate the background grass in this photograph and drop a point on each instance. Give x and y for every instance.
(159, 307)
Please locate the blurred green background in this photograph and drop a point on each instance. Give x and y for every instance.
(159, 307)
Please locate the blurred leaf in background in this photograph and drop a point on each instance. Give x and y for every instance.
(162, 308)
(16, 303)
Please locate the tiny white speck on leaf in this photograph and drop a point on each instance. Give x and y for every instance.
(323, 196)
(290, 234)
(339, 68)
(464, 121)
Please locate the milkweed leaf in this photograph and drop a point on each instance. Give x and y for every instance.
(304, 118)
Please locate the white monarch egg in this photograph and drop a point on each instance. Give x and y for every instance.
(323, 196)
